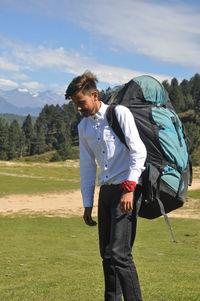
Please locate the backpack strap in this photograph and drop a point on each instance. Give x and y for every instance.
(175, 123)
(114, 123)
(162, 208)
(189, 158)
(190, 171)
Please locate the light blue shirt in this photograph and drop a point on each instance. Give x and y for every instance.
(99, 145)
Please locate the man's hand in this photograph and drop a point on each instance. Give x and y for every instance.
(126, 201)
(87, 216)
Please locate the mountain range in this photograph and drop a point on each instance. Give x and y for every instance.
(24, 102)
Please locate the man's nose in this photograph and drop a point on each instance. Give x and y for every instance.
(78, 108)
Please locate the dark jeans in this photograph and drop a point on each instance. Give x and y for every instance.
(116, 236)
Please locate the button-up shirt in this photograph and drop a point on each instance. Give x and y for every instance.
(98, 143)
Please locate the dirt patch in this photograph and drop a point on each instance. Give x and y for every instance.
(64, 204)
(195, 184)
(189, 210)
(69, 203)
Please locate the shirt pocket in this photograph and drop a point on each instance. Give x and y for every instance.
(111, 141)
(109, 135)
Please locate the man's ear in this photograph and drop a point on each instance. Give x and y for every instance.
(95, 95)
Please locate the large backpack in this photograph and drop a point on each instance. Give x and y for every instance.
(165, 179)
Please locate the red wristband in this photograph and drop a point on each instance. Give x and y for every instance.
(128, 185)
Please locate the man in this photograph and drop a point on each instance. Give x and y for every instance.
(120, 170)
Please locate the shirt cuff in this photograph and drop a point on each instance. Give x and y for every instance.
(128, 185)
(87, 203)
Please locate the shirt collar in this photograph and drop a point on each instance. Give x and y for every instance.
(101, 113)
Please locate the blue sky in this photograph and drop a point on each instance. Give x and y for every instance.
(45, 43)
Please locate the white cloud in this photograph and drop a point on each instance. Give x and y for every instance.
(167, 31)
(20, 76)
(6, 83)
(32, 85)
(42, 57)
(58, 59)
(72, 62)
(116, 75)
(6, 65)
(54, 85)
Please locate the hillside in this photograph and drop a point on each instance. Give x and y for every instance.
(20, 119)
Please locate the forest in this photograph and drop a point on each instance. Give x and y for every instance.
(55, 129)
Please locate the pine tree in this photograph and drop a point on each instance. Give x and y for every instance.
(4, 129)
(14, 140)
(38, 142)
(176, 96)
(195, 89)
(27, 128)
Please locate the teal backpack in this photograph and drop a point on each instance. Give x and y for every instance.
(168, 169)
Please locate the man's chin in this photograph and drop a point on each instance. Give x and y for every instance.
(85, 114)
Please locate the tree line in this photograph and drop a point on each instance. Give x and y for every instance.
(185, 98)
(55, 129)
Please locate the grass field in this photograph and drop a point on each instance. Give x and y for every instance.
(30, 178)
(37, 178)
(57, 259)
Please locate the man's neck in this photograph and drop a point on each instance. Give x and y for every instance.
(97, 108)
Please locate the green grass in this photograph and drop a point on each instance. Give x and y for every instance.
(46, 157)
(37, 178)
(195, 194)
(57, 259)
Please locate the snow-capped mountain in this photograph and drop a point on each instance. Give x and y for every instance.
(25, 98)
(22, 101)
(6, 107)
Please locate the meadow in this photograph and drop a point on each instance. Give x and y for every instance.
(31, 178)
(57, 259)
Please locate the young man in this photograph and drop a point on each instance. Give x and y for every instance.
(120, 170)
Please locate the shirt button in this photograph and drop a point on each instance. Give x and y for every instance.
(103, 152)
(106, 165)
(98, 138)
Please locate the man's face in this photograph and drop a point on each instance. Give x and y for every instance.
(86, 104)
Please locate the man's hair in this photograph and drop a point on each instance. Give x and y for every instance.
(86, 83)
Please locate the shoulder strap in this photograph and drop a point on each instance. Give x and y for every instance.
(114, 123)
(162, 208)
